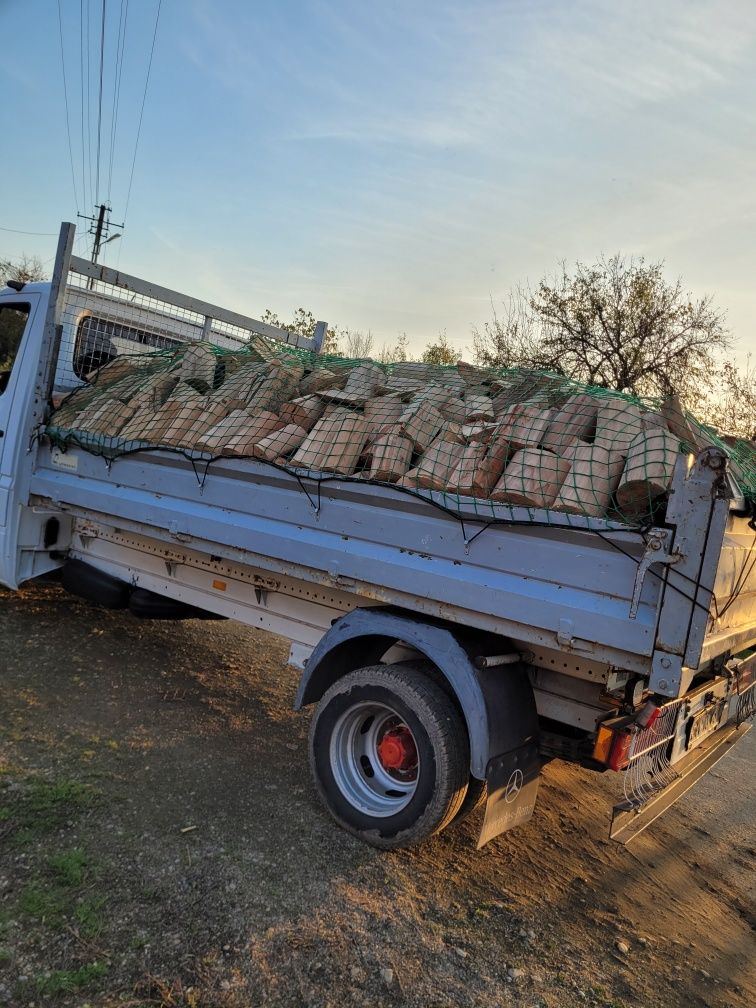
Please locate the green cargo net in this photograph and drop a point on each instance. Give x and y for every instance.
(478, 442)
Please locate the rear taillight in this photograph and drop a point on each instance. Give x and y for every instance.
(648, 715)
(613, 741)
(745, 675)
(619, 754)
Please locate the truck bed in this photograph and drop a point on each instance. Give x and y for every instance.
(546, 586)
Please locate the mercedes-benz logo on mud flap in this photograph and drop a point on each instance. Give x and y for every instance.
(513, 786)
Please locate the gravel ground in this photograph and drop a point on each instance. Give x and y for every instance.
(161, 844)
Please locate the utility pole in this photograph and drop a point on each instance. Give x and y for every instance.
(99, 226)
(98, 233)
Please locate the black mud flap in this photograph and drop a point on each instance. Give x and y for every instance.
(94, 585)
(512, 781)
(149, 605)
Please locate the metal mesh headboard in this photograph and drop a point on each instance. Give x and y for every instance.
(106, 313)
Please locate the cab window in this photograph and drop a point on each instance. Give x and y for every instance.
(13, 319)
(99, 341)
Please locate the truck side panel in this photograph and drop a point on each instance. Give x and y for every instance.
(552, 587)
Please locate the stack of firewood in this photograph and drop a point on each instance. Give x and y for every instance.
(519, 438)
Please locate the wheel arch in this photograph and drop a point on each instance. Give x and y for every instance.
(497, 705)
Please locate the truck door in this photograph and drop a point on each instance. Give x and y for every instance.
(17, 314)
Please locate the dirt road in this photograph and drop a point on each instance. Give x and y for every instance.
(161, 844)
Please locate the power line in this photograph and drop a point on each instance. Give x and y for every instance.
(141, 113)
(36, 234)
(81, 81)
(93, 194)
(99, 100)
(65, 97)
(117, 74)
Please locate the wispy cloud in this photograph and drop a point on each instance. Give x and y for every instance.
(449, 150)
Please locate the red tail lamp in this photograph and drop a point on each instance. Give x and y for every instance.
(613, 740)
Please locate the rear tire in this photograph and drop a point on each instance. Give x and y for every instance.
(390, 755)
(475, 799)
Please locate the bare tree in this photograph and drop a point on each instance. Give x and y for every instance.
(440, 352)
(513, 337)
(398, 352)
(620, 324)
(26, 268)
(732, 407)
(356, 345)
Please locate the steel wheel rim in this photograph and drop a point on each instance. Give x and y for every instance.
(368, 781)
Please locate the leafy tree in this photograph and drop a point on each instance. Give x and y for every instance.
(340, 342)
(617, 323)
(303, 324)
(440, 352)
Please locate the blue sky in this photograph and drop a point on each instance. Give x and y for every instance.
(395, 166)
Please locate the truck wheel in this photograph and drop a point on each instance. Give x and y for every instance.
(390, 755)
(475, 799)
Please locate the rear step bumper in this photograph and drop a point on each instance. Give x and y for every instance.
(629, 821)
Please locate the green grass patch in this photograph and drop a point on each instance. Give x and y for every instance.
(89, 916)
(58, 892)
(71, 981)
(68, 868)
(43, 807)
(42, 902)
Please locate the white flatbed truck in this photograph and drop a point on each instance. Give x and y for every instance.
(445, 656)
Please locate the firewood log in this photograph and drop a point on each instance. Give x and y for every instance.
(364, 381)
(691, 435)
(471, 374)
(523, 426)
(274, 388)
(454, 409)
(617, 424)
(238, 427)
(593, 477)
(240, 384)
(321, 379)
(436, 394)
(533, 478)
(334, 444)
(381, 414)
(192, 422)
(480, 466)
(574, 421)
(305, 411)
(198, 365)
(437, 464)
(391, 454)
(420, 422)
(279, 444)
(479, 409)
(155, 391)
(150, 425)
(107, 417)
(651, 459)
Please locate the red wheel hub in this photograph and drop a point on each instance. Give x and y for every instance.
(397, 750)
